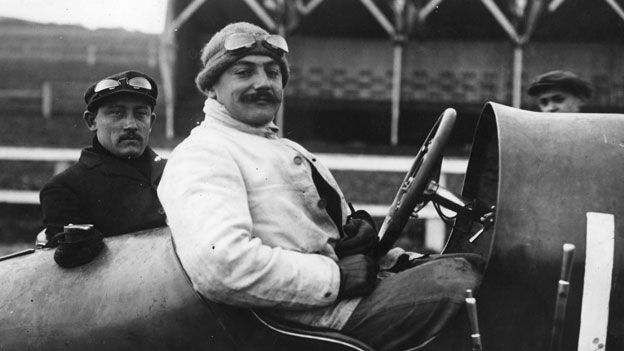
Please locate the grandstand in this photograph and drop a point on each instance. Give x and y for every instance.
(452, 53)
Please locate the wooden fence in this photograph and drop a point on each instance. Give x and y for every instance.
(44, 95)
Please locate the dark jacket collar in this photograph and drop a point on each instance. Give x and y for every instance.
(109, 164)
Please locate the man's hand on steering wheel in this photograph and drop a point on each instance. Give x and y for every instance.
(360, 235)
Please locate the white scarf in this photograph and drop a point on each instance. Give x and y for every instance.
(215, 110)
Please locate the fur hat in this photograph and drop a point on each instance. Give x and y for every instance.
(563, 80)
(215, 59)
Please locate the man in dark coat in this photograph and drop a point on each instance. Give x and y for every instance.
(113, 185)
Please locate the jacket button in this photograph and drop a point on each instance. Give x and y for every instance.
(298, 160)
(322, 203)
(161, 211)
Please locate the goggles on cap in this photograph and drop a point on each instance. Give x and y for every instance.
(239, 42)
(112, 84)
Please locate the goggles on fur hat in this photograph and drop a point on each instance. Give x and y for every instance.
(240, 42)
(232, 43)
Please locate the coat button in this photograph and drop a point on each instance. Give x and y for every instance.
(298, 160)
(322, 203)
(161, 211)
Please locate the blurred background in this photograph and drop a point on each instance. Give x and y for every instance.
(369, 77)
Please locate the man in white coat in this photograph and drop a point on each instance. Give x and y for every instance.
(259, 222)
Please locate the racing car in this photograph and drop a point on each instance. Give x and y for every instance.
(542, 202)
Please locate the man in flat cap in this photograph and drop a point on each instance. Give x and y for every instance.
(560, 91)
(260, 222)
(113, 185)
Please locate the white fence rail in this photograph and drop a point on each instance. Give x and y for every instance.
(435, 228)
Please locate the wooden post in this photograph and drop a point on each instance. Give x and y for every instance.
(91, 54)
(46, 100)
(166, 64)
(516, 90)
(167, 58)
(519, 41)
(152, 54)
(397, 68)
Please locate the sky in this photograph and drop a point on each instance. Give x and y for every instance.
(141, 15)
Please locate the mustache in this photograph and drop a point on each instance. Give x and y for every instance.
(130, 136)
(267, 95)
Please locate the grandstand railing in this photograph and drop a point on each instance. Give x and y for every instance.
(435, 229)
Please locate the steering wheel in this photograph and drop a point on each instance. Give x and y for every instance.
(411, 196)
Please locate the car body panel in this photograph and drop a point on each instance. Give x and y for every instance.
(544, 172)
(132, 296)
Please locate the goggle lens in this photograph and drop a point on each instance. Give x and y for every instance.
(110, 84)
(238, 41)
(140, 83)
(106, 84)
(243, 41)
(277, 42)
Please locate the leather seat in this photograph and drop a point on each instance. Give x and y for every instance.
(251, 330)
(322, 336)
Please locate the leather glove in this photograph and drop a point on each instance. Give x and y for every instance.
(361, 214)
(358, 275)
(77, 245)
(360, 238)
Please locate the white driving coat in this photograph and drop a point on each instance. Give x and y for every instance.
(249, 225)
